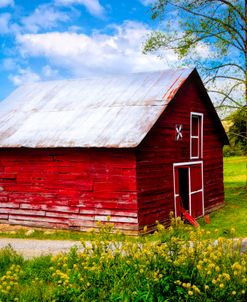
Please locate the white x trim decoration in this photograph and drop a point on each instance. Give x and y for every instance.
(179, 135)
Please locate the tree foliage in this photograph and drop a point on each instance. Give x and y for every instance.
(237, 129)
(219, 25)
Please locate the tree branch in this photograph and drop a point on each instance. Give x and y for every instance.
(226, 26)
(239, 135)
(224, 77)
(219, 36)
(226, 96)
(225, 65)
(228, 3)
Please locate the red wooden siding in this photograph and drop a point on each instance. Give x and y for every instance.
(68, 188)
(159, 150)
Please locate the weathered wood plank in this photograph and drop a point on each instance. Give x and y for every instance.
(68, 188)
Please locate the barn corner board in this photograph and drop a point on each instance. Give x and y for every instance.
(132, 147)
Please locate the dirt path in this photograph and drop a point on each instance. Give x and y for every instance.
(33, 247)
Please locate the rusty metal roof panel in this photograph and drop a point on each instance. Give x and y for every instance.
(110, 111)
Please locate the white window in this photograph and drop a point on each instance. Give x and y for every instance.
(196, 135)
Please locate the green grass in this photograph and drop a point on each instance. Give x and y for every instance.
(44, 234)
(234, 214)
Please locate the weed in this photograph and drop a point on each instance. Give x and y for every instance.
(179, 264)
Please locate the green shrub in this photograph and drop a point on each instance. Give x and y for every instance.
(229, 150)
(236, 124)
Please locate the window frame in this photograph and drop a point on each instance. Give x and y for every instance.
(199, 137)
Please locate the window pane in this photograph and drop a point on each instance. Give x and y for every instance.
(194, 147)
(195, 126)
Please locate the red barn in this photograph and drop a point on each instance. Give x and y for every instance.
(131, 147)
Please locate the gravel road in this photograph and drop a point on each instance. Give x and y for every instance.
(33, 247)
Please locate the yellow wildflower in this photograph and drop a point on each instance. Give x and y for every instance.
(196, 289)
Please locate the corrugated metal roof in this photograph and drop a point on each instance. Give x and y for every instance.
(110, 111)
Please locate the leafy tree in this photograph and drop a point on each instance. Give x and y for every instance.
(187, 25)
(237, 129)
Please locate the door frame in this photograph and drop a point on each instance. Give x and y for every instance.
(188, 164)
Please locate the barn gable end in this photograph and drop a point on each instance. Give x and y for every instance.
(160, 152)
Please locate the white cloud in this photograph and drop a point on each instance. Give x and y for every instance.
(24, 76)
(99, 53)
(5, 23)
(93, 6)
(4, 3)
(44, 17)
(9, 64)
(201, 51)
(148, 2)
(74, 28)
(49, 73)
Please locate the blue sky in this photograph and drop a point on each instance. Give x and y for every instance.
(46, 40)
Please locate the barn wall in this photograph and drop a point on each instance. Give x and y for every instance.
(68, 188)
(159, 150)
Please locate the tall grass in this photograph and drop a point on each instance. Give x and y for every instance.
(168, 268)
